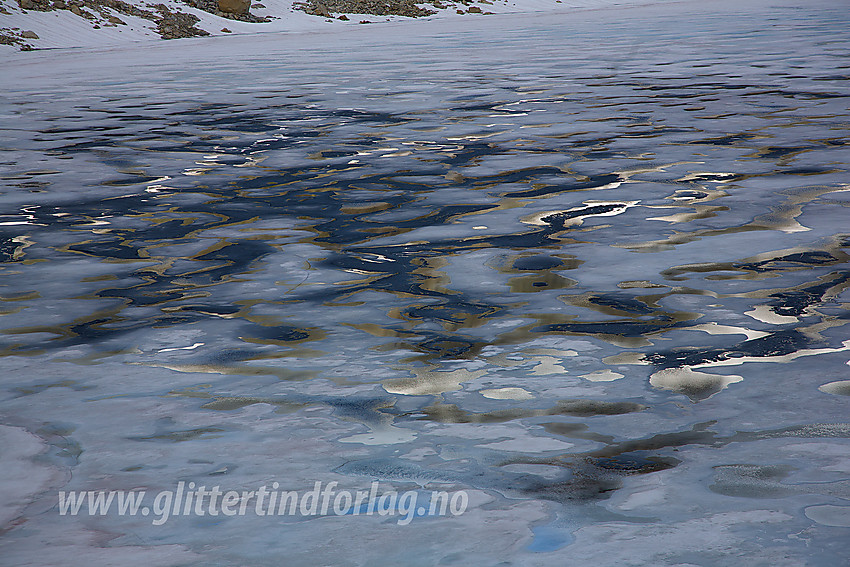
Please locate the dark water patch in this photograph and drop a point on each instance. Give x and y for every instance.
(370, 116)
(576, 431)
(587, 486)
(594, 182)
(129, 181)
(330, 154)
(38, 388)
(778, 343)
(446, 346)
(558, 221)
(450, 413)
(622, 303)
(803, 260)
(537, 263)
(635, 463)
(11, 249)
(701, 434)
(800, 259)
(714, 178)
(116, 248)
(698, 434)
(795, 303)
(228, 356)
(592, 479)
(184, 435)
(232, 403)
(690, 195)
(209, 309)
(454, 311)
(588, 408)
(370, 411)
(275, 334)
(775, 152)
(727, 140)
(622, 328)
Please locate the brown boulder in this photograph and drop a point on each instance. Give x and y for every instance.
(29, 34)
(239, 7)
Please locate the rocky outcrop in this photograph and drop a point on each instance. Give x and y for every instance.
(326, 8)
(176, 20)
(174, 25)
(14, 36)
(170, 23)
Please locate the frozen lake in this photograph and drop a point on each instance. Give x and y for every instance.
(589, 269)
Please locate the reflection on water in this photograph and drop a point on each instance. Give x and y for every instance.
(523, 273)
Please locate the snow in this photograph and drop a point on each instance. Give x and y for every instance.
(63, 29)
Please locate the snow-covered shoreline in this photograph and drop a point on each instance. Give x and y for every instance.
(105, 26)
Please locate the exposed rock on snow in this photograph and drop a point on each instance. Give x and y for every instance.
(169, 23)
(327, 8)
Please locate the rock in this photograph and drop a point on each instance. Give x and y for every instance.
(343, 17)
(238, 7)
(29, 34)
(76, 10)
(461, 12)
(474, 10)
(325, 8)
(173, 25)
(225, 30)
(27, 4)
(116, 20)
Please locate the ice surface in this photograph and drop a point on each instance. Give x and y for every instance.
(244, 260)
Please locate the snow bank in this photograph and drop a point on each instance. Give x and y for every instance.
(32, 29)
